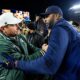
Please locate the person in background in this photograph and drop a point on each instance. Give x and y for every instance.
(5, 10)
(33, 36)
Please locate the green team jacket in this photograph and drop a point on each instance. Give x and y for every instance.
(18, 49)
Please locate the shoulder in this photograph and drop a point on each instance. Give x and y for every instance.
(4, 40)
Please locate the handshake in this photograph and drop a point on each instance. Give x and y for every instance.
(9, 63)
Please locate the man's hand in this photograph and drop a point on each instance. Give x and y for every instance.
(10, 61)
(44, 47)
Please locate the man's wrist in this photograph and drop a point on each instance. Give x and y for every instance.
(42, 52)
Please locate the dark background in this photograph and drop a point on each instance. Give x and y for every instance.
(37, 6)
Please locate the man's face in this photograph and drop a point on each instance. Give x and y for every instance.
(11, 30)
(51, 19)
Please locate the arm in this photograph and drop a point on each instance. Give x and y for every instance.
(37, 51)
(29, 44)
(51, 61)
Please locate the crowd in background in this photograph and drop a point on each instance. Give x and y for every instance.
(37, 32)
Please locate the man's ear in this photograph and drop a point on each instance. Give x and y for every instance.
(58, 16)
(1, 29)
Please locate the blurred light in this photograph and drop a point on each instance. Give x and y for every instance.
(77, 6)
(78, 11)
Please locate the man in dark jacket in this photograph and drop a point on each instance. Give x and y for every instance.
(62, 58)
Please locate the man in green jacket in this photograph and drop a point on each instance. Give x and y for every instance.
(13, 47)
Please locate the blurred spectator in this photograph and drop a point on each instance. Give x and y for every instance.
(37, 18)
(27, 20)
(26, 14)
(42, 28)
(76, 25)
(5, 10)
(33, 36)
(18, 15)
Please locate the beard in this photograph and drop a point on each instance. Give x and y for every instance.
(13, 34)
(51, 24)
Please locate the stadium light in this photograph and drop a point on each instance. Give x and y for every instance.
(77, 6)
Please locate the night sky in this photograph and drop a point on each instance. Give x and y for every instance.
(37, 6)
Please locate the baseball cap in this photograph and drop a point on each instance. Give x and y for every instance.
(8, 18)
(52, 9)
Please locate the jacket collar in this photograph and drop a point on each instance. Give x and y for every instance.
(59, 21)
